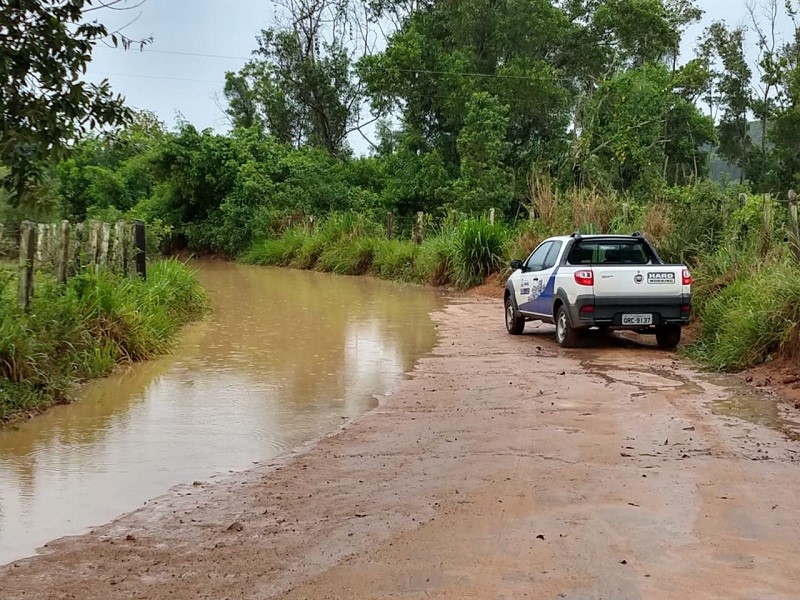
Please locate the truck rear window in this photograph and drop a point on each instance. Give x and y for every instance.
(609, 253)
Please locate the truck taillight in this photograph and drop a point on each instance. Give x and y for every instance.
(585, 277)
(687, 277)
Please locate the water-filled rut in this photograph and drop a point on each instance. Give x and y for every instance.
(284, 357)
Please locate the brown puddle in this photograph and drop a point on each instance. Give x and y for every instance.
(612, 366)
(755, 407)
(282, 359)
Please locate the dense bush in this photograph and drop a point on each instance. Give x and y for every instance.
(83, 330)
(752, 319)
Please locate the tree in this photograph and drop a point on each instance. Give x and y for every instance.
(445, 52)
(485, 181)
(764, 101)
(785, 132)
(731, 91)
(301, 87)
(623, 145)
(45, 46)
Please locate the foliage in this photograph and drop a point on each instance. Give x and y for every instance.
(478, 251)
(484, 182)
(301, 87)
(44, 103)
(749, 321)
(732, 91)
(82, 331)
(348, 244)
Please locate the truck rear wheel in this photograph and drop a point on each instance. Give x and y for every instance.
(668, 336)
(515, 322)
(566, 335)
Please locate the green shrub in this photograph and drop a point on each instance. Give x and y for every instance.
(309, 252)
(748, 321)
(278, 252)
(434, 260)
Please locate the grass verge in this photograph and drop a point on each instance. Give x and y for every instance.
(753, 319)
(83, 330)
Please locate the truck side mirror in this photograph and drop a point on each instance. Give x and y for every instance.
(516, 264)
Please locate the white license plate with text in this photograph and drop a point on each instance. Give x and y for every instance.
(637, 319)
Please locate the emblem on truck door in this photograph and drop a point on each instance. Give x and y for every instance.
(639, 278)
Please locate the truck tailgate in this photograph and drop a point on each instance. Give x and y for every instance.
(638, 281)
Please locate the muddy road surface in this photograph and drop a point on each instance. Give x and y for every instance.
(503, 468)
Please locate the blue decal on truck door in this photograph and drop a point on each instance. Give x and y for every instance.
(544, 302)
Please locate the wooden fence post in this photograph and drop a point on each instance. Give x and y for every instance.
(491, 216)
(94, 242)
(794, 226)
(119, 252)
(766, 225)
(41, 240)
(140, 247)
(27, 252)
(1, 233)
(389, 225)
(104, 243)
(419, 228)
(76, 259)
(626, 211)
(53, 244)
(63, 256)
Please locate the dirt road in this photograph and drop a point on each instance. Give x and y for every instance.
(504, 468)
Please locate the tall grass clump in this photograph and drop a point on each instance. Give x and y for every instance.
(82, 330)
(751, 319)
(395, 259)
(478, 251)
(347, 256)
(435, 259)
(276, 252)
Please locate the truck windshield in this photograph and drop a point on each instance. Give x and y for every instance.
(609, 253)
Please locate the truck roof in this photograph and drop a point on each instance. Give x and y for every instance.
(564, 238)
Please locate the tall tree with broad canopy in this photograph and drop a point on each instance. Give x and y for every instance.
(301, 86)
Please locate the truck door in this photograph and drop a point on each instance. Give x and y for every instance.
(547, 280)
(529, 288)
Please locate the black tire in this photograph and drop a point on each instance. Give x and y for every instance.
(566, 335)
(668, 336)
(515, 322)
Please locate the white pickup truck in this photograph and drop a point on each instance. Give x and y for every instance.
(605, 281)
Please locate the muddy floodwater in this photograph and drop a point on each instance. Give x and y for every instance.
(284, 357)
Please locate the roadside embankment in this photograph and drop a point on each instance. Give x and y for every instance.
(504, 467)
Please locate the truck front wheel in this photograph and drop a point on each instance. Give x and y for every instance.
(515, 322)
(668, 336)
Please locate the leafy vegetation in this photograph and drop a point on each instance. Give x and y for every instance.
(558, 115)
(84, 330)
(752, 319)
(44, 103)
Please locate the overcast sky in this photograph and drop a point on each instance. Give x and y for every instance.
(170, 79)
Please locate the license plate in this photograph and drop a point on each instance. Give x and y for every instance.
(637, 319)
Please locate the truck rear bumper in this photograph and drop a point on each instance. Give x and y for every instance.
(589, 311)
